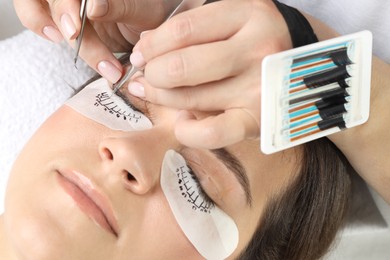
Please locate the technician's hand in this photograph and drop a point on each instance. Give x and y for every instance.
(209, 59)
(113, 27)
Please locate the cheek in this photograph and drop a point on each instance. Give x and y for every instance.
(43, 223)
(69, 127)
(63, 131)
(154, 233)
(31, 203)
(40, 218)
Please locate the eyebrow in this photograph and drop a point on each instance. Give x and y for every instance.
(236, 167)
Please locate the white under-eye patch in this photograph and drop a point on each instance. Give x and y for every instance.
(212, 232)
(97, 102)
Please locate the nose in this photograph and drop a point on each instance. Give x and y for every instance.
(135, 158)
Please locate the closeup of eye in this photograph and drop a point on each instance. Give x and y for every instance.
(136, 104)
(192, 191)
(206, 198)
(131, 104)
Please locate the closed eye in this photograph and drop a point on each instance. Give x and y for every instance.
(136, 104)
(206, 198)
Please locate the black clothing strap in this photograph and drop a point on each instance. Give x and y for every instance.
(300, 30)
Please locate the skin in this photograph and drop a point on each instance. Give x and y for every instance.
(178, 50)
(111, 28)
(41, 221)
(213, 51)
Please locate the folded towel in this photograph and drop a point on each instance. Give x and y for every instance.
(36, 77)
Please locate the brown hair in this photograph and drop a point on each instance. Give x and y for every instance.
(302, 222)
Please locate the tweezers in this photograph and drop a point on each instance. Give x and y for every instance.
(83, 16)
(183, 5)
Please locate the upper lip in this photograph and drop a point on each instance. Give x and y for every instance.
(100, 200)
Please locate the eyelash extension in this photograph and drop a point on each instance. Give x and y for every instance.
(330, 106)
(314, 91)
(337, 53)
(193, 194)
(316, 127)
(327, 77)
(324, 94)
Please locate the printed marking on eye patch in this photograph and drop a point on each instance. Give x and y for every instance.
(212, 232)
(105, 100)
(96, 103)
(188, 188)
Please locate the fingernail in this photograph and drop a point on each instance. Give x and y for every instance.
(137, 59)
(53, 34)
(68, 26)
(109, 71)
(97, 8)
(136, 89)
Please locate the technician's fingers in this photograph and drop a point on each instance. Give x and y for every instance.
(200, 25)
(233, 92)
(214, 132)
(35, 15)
(145, 12)
(195, 65)
(98, 56)
(66, 14)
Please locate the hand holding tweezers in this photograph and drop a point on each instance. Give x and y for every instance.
(83, 16)
(183, 5)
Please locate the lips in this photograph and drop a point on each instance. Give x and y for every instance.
(93, 203)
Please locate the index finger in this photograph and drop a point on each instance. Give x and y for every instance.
(204, 24)
(98, 56)
(35, 15)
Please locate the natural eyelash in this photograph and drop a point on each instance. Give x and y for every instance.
(146, 111)
(127, 101)
(202, 193)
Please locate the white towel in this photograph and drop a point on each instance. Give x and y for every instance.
(36, 77)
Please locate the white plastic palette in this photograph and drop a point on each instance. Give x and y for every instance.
(297, 83)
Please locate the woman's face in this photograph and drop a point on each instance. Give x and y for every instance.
(81, 190)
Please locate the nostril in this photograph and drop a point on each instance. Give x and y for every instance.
(130, 182)
(107, 154)
(130, 177)
(136, 183)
